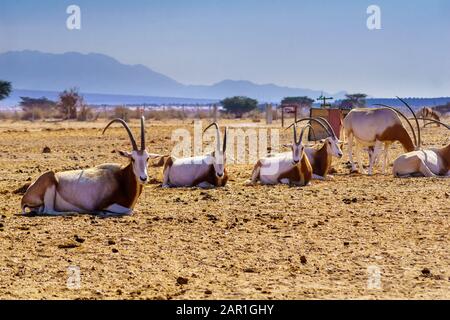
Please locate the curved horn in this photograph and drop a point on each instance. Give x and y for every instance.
(295, 131)
(125, 125)
(224, 149)
(436, 121)
(142, 133)
(217, 133)
(328, 124)
(404, 117)
(302, 132)
(417, 121)
(313, 132)
(317, 121)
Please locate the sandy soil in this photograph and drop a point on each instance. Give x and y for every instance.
(233, 243)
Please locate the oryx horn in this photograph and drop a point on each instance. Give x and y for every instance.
(127, 128)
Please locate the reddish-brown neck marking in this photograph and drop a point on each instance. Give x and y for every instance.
(397, 133)
(322, 161)
(299, 174)
(445, 154)
(128, 191)
(211, 178)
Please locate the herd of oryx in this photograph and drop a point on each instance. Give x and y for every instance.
(114, 189)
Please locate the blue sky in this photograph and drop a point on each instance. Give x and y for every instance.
(321, 45)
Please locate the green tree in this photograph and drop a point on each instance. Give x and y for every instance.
(302, 101)
(43, 103)
(356, 100)
(239, 105)
(5, 89)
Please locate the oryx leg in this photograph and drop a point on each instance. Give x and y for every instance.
(386, 157)
(49, 201)
(205, 185)
(166, 171)
(374, 158)
(40, 195)
(116, 210)
(350, 151)
(359, 158)
(317, 177)
(165, 183)
(255, 174)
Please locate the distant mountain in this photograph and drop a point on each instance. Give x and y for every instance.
(104, 99)
(98, 73)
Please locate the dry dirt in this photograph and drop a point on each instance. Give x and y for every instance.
(277, 242)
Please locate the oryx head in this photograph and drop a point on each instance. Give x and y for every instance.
(297, 146)
(332, 143)
(138, 157)
(219, 156)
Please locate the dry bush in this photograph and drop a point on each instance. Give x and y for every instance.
(122, 112)
(254, 115)
(5, 115)
(32, 114)
(169, 113)
(86, 114)
(38, 114)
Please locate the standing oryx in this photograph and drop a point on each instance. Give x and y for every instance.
(424, 163)
(202, 171)
(375, 127)
(286, 168)
(106, 189)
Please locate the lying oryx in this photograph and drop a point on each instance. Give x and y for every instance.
(106, 189)
(206, 171)
(424, 163)
(321, 158)
(286, 168)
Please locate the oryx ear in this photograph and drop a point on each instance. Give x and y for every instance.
(124, 154)
(287, 145)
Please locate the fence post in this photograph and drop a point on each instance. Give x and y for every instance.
(214, 113)
(269, 113)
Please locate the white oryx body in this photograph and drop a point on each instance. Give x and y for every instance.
(206, 171)
(375, 128)
(425, 163)
(85, 189)
(104, 189)
(321, 158)
(285, 168)
(272, 168)
(186, 170)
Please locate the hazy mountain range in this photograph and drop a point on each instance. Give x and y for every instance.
(101, 74)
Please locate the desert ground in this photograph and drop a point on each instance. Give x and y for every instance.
(322, 241)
